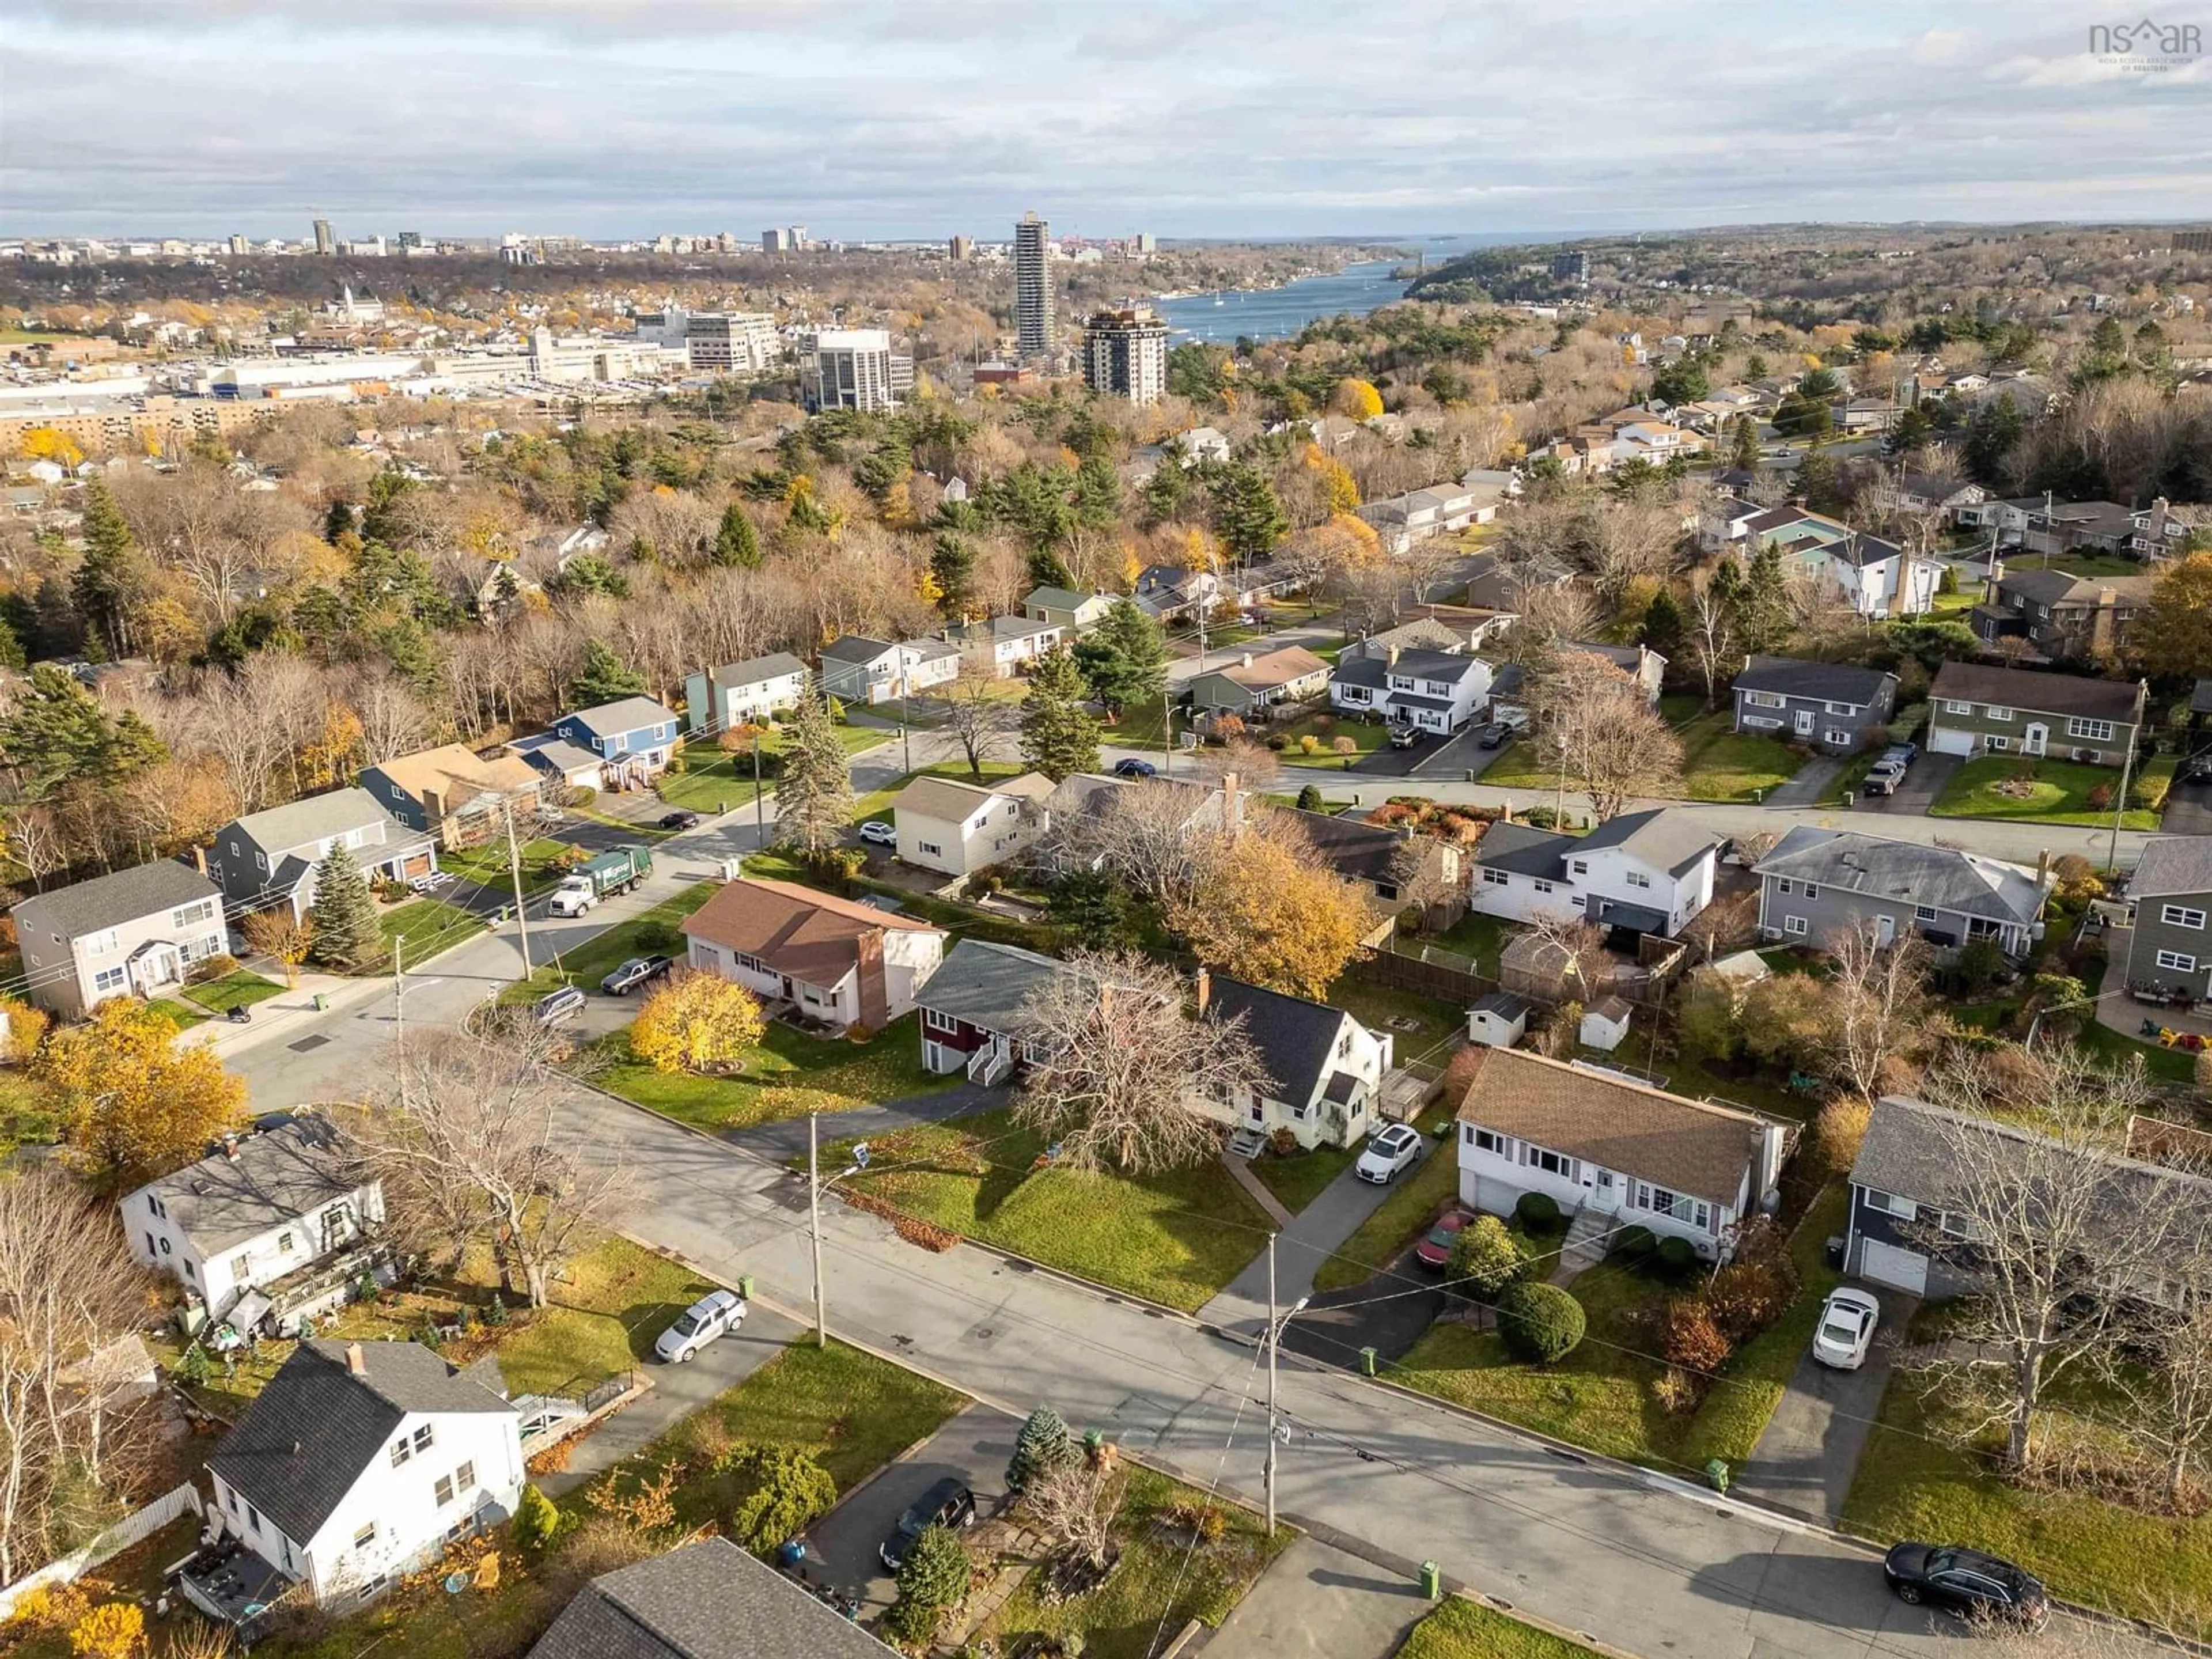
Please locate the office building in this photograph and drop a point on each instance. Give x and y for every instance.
(1033, 329)
(1125, 355)
(775, 241)
(239, 245)
(409, 240)
(326, 242)
(1571, 268)
(1146, 242)
(855, 368)
(730, 341)
(963, 247)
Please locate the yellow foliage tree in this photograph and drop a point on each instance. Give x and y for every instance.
(1355, 398)
(331, 757)
(132, 1101)
(114, 1630)
(927, 587)
(22, 1028)
(1365, 547)
(1199, 550)
(1263, 906)
(43, 443)
(697, 1023)
(1339, 488)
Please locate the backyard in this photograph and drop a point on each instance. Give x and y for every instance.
(1176, 1238)
(789, 1074)
(2040, 791)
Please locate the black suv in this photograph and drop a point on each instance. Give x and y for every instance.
(947, 1504)
(1965, 1582)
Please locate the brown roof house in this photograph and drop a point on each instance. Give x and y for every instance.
(1612, 1153)
(835, 961)
(456, 794)
(1251, 685)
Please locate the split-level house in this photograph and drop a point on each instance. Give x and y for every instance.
(1325, 1069)
(2170, 952)
(633, 738)
(748, 693)
(1978, 709)
(456, 795)
(1063, 607)
(355, 1464)
(1612, 1152)
(1818, 885)
(1837, 707)
(1251, 686)
(834, 960)
(973, 1008)
(134, 932)
(705, 1599)
(270, 857)
(857, 669)
(2061, 617)
(1435, 691)
(957, 828)
(1641, 873)
(239, 1227)
(1005, 646)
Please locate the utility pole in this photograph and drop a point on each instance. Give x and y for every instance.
(906, 733)
(760, 808)
(399, 1011)
(1274, 1339)
(1167, 729)
(814, 1220)
(2127, 772)
(514, 869)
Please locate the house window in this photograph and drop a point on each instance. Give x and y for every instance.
(444, 1489)
(188, 1266)
(1578, 866)
(1996, 744)
(1997, 713)
(1959, 1226)
(1890, 1204)
(1766, 699)
(1785, 886)
(1543, 886)
(2178, 961)
(932, 849)
(154, 1205)
(1812, 889)
(365, 1537)
(1838, 737)
(423, 1438)
(240, 1265)
(933, 1020)
(1489, 1140)
(1794, 926)
(1551, 1163)
(1840, 708)
(108, 980)
(2096, 731)
(253, 1517)
(1497, 877)
(283, 1243)
(192, 915)
(1924, 913)
(400, 1451)
(1950, 707)
(1693, 1212)
(2180, 916)
(1637, 878)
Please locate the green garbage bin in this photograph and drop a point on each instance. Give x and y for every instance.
(745, 1286)
(1717, 1472)
(322, 1002)
(1367, 1362)
(1433, 1580)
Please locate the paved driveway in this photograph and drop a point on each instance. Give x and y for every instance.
(1924, 780)
(2188, 810)
(976, 1446)
(1333, 1217)
(1388, 1312)
(1318, 1602)
(1811, 1447)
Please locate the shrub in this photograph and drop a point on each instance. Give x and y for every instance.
(214, 967)
(936, 1573)
(1675, 1254)
(1541, 818)
(1978, 965)
(1541, 1323)
(115, 1630)
(1324, 722)
(790, 1491)
(1283, 1142)
(986, 882)
(658, 938)
(1486, 1258)
(537, 1519)
(1538, 1212)
(1691, 1337)
(1635, 1245)
(2100, 797)
(1309, 797)
(1204, 1521)
(1833, 1146)
(1309, 745)
(834, 866)
(1346, 746)
(2149, 792)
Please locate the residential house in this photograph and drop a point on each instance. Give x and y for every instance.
(973, 1017)
(1437, 691)
(1166, 592)
(1613, 1150)
(1202, 443)
(1639, 662)
(2060, 617)
(1455, 628)
(1878, 579)
(1492, 584)
(835, 961)
(1641, 873)
(1929, 492)
(454, 794)
(857, 669)
(704, 1599)
(1073, 613)
(1864, 415)
(135, 932)
(270, 857)
(1325, 1069)
(749, 693)
(1403, 522)
(2170, 952)
(632, 737)
(238, 1228)
(1975, 709)
(2007, 520)
(2151, 532)
(1398, 868)
(1816, 885)
(1837, 707)
(355, 1464)
(1910, 1223)
(560, 763)
(1077, 810)
(1252, 686)
(957, 828)
(1005, 646)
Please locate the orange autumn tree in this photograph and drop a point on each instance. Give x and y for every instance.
(133, 1102)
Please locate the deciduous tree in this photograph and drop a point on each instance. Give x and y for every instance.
(1262, 905)
(134, 1102)
(698, 1022)
(279, 933)
(2171, 636)
(1874, 1001)
(1597, 726)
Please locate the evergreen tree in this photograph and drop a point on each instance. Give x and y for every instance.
(936, 1573)
(1682, 381)
(1820, 482)
(737, 541)
(1247, 516)
(606, 678)
(337, 522)
(1309, 797)
(1662, 626)
(1743, 452)
(1991, 434)
(1059, 735)
(1913, 429)
(114, 577)
(1048, 570)
(1162, 499)
(1097, 493)
(1124, 659)
(952, 567)
(1092, 908)
(814, 796)
(57, 731)
(346, 936)
(1043, 1445)
(1761, 602)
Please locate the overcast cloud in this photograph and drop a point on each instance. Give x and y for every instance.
(857, 118)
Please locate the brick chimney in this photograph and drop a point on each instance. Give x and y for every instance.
(2043, 866)
(357, 1361)
(1202, 988)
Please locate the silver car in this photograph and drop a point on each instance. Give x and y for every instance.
(716, 1314)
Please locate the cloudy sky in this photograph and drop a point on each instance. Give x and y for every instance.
(920, 118)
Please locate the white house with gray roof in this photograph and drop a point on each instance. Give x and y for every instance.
(737, 693)
(707, 1600)
(1324, 1069)
(1641, 873)
(135, 932)
(1435, 691)
(857, 669)
(270, 857)
(1817, 884)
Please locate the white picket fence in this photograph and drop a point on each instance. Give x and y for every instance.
(131, 1529)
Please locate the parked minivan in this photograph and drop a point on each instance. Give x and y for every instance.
(559, 1006)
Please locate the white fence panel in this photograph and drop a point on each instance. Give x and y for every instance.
(131, 1529)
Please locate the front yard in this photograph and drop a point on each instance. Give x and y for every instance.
(711, 779)
(1325, 729)
(2038, 791)
(487, 865)
(788, 1075)
(1460, 1628)
(1175, 1237)
(1720, 764)
(241, 988)
(424, 927)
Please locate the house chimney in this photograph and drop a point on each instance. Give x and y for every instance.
(357, 1361)
(1247, 659)
(199, 860)
(2043, 866)
(1391, 659)
(1202, 987)
(230, 1147)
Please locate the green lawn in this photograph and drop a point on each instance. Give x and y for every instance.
(2079, 564)
(1460, 1628)
(1160, 1583)
(788, 1075)
(1409, 1211)
(487, 866)
(1911, 1486)
(1299, 1179)
(430, 926)
(710, 778)
(877, 803)
(1719, 764)
(616, 1298)
(1176, 1238)
(650, 933)
(1325, 730)
(182, 1015)
(241, 990)
(1477, 936)
(2167, 1065)
(2060, 795)
(1426, 1022)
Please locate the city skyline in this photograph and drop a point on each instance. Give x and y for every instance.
(604, 122)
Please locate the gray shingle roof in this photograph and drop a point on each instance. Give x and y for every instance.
(308, 1435)
(706, 1600)
(110, 901)
(1907, 871)
(984, 984)
(625, 715)
(1296, 1039)
(2038, 693)
(774, 666)
(855, 647)
(1361, 852)
(1829, 682)
(317, 818)
(1662, 838)
(2173, 865)
(1908, 1150)
(277, 1175)
(1373, 672)
(1523, 849)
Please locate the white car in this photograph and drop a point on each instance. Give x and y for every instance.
(1390, 1149)
(877, 833)
(714, 1315)
(1846, 1328)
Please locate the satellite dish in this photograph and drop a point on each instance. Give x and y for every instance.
(860, 1154)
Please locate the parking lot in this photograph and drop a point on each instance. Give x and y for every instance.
(974, 1447)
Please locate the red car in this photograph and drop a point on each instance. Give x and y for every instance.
(1435, 1251)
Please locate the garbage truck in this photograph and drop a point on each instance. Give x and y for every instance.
(597, 878)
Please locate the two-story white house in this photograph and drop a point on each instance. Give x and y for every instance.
(356, 1462)
(1603, 1146)
(135, 932)
(857, 669)
(958, 829)
(832, 961)
(259, 1208)
(1325, 1068)
(1005, 646)
(1437, 691)
(1641, 873)
(742, 693)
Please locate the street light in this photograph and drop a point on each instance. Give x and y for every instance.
(1275, 1325)
(815, 1188)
